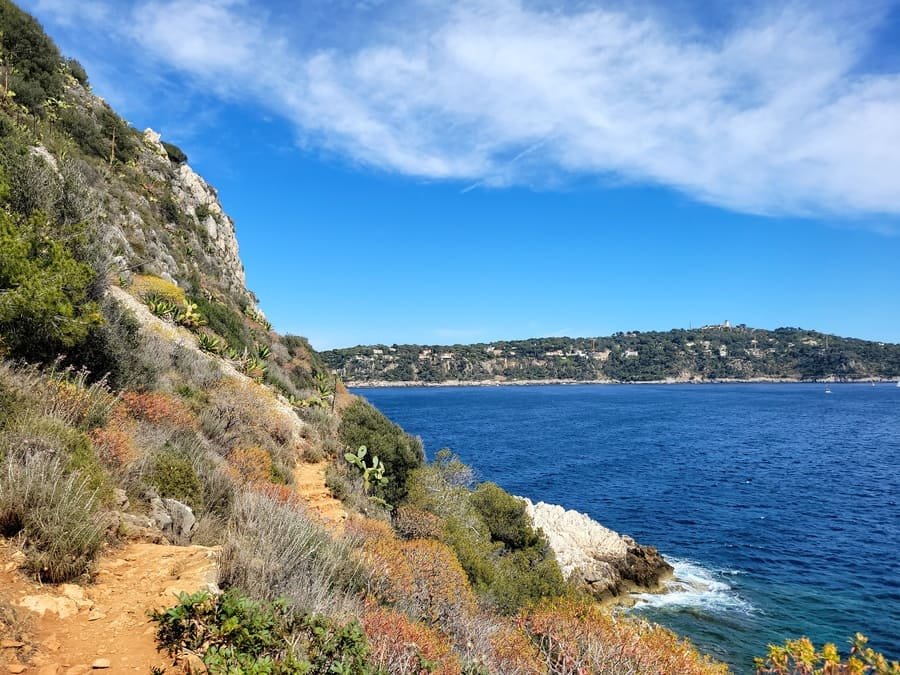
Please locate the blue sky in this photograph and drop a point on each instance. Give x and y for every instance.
(444, 172)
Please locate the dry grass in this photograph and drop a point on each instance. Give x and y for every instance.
(273, 550)
(56, 513)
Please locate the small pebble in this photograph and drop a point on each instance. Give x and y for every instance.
(100, 663)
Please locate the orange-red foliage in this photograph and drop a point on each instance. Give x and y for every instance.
(252, 464)
(422, 577)
(158, 408)
(400, 646)
(415, 523)
(283, 494)
(368, 530)
(512, 651)
(114, 444)
(576, 636)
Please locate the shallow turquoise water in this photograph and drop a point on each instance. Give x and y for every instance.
(778, 504)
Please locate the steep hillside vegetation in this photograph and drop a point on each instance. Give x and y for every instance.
(145, 403)
(703, 354)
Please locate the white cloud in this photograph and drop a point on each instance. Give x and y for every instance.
(771, 115)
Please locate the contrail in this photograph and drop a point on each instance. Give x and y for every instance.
(526, 151)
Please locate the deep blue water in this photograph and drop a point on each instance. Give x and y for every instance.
(779, 504)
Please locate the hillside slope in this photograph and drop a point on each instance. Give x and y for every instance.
(705, 354)
(155, 431)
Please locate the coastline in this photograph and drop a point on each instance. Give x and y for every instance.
(386, 384)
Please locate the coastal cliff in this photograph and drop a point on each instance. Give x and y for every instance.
(605, 563)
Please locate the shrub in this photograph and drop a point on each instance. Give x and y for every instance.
(414, 523)
(225, 322)
(159, 408)
(361, 424)
(174, 153)
(504, 516)
(147, 285)
(77, 71)
(44, 303)
(173, 475)
(399, 646)
(32, 56)
(800, 657)
(421, 577)
(234, 634)
(115, 445)
(56, 512)
(117, 349)
(252, 464)
(580, 636)
(274, 550)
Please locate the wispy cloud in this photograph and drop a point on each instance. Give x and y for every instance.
(772, 114)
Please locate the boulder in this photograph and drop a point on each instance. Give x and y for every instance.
(176, 520)
(604, 562)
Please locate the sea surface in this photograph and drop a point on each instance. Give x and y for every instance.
(778, 504)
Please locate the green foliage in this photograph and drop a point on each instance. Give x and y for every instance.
(115, 348)
(504, 516)
(44, 303)
(372, 473)
(175, 153)
(33, 58)
(173, 475)
(234, 634)
(363, 425)
(57, 513)
(100, 133)
(78, 72)
(709, 353)
(225, 322)
(211, 344)
(507, 561)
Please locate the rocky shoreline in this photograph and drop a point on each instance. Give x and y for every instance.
(382, 384)
(605, 563)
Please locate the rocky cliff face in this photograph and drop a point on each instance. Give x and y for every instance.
(601, 560)
(153, 212)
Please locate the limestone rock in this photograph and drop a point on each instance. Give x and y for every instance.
(41, 604)
(176, 520)
(602, 560)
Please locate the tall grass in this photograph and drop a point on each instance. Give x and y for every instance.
(55, 511)
(274, 550)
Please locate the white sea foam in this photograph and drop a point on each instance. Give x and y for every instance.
(695, 587)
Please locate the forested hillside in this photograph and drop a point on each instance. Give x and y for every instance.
(709, 353)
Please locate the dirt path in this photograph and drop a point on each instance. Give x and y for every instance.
(71, 629)
(309, 482)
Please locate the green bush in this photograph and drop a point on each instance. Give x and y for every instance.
(173, 475)
(235, 634)
(226, 322)
(56, 512)
(115, 348)
(504, 516)
(44, 303)
(77, 71)
(508, 562)
(174, 153)
(34, 59)
(361, 424)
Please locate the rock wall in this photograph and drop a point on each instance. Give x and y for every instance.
(603, 561)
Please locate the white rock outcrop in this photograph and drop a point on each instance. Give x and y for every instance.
(607, 562)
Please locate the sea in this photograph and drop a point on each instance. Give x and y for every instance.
(777, 504)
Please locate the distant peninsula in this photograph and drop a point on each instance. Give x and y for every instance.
(713, 353)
